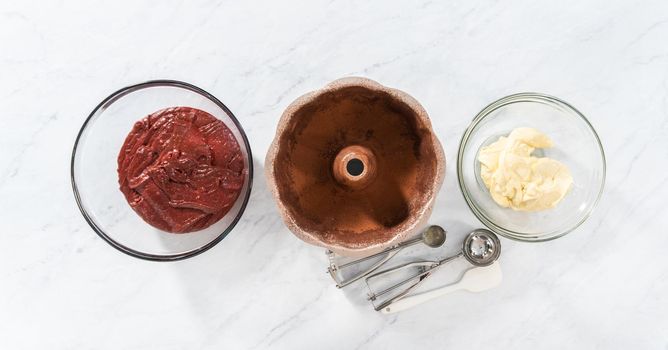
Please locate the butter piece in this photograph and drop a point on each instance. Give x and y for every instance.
(519, 181)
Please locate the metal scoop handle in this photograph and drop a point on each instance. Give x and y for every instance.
(389, 253)
(427, 267)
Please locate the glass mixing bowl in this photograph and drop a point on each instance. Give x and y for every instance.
(576, 144)
(95, 180)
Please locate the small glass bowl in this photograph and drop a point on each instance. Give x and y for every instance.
(95, 178)
(576, 144)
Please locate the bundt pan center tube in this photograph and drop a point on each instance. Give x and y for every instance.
(355, 167)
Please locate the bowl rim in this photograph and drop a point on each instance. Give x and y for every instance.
(133, 252)
(532, 97)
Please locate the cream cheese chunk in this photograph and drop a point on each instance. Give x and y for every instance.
(518, 180)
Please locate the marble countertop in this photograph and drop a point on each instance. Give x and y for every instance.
(62, 287)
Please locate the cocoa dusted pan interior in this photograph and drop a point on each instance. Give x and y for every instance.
(350, 216)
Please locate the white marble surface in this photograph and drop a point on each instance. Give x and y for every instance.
(61, 287)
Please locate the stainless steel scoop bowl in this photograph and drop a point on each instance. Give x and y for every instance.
(481, 247)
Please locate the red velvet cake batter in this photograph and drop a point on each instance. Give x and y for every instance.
(180, 169)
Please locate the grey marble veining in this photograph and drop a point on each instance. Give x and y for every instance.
(61, 287)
